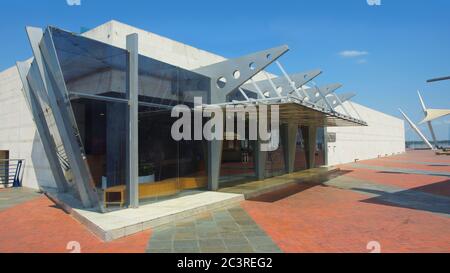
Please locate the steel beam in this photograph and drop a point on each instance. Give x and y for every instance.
(312, 139)
(214, 162)
(439, 79)
(229, 75)
(335, 100)
(289, 141)
(132, 45)
(318, 93)
(45, 55)
(288, 83)
(414, 127)
(78, 95)
(430, 126)
(42, 128)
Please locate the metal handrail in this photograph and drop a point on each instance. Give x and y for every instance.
(11, 172)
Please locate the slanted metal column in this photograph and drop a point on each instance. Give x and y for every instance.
(312, 139)
(132, 121)
(260, 161)
(46, 57)
(43, 130)
(289, 139)
(417, 130)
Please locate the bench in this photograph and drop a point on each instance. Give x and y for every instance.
(154, 189)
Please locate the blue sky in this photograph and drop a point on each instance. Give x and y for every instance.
(398, 45)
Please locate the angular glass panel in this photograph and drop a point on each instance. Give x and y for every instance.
(94, 72)
(95, 68)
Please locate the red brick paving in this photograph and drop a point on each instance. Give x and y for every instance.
(38, 226)
(403, 165)
(306, 218)
(424, 156)
(325, 219)
(431, 184)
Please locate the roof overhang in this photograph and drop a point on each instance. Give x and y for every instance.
(292, 110)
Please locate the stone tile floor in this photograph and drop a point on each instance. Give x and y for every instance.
(219, 231)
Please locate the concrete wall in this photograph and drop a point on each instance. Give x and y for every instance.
(384, 135)
(158, 47)
(18, 133)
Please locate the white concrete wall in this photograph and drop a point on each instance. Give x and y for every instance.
(384, 135)
(18, 133)
(158, 47)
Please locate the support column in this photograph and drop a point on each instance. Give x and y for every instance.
(214, 163)
(260, 161)
(132, 121)
(312, 139)
(53, 83)
(289, 141)
(116, 144)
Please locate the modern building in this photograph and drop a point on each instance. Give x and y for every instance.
(91, 112)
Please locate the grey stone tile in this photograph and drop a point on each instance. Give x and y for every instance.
(204, 221)
(250, 228)
(228, 228)
(186, 225)
(210, 234)
(253, 233)
(260, 241)
(211, 243)
(161, 244)
(187, 250)
(163, 250)
(185, 236)
(237, 241)
(214, 250)
(190, 229)
(232, 235)
(163, 236)
(245, 223)
(206, 226)
(267, 249)
(240, 249)
(179, 244)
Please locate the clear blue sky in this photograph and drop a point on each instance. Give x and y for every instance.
(401, 43)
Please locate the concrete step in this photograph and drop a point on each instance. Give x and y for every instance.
(121, 223)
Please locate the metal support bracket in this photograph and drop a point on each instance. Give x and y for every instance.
(229, 75)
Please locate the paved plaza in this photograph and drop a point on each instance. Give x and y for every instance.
(399, 203)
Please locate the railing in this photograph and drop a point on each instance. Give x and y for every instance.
(11, 172)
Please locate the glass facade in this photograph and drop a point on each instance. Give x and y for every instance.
(93, 70)
(300, 162)
(302, 152)
(95, 75)
(320, 147)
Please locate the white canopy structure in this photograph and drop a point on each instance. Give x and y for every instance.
(430, 115)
